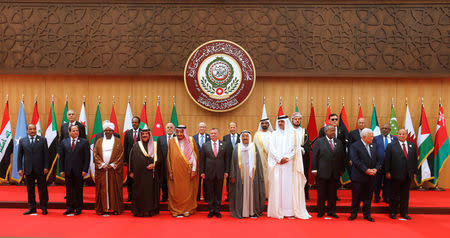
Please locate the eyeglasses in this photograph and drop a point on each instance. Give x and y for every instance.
(333, 119)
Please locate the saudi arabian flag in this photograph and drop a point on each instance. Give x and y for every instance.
(97, 129)
(442, 146)
(374, 123)
(393, 122)
(426, 148)
(174, 117)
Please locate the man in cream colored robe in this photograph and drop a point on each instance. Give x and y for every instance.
(108, 160)
(182, 169)
(286, 177)
(262, 141)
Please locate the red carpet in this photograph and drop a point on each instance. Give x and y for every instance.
(56, 194)
(14, 224)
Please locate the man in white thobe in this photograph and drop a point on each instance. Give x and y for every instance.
(286, 177)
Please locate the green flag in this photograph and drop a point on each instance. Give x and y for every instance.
(393, 122)
(95, 130)
(174, 118)
(374, 123)
(64, 120)
(441, 145)
(296, 107)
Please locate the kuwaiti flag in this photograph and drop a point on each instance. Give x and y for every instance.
(442, 146)
(51, 134)
(35, 119)
(374, 123)
(313, 133)
(144, 124)
(82, 118)
(158, 129)
(21, 132)
(426, 148)
(393, 122)
(97, 129)
(127, 123)
(113, 119)
(6, 145)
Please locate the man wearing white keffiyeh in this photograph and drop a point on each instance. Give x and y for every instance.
(247, 192)
(182, 170)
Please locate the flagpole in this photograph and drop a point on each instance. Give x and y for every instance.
(173, 100)
(359, 101)
(114, 100)
(421, 188)
(436, 187)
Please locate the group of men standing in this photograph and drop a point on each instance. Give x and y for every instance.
(186, 169)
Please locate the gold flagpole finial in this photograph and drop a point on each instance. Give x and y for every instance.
(342, 101)
(7, 98)
(406, 99)
(392, 102)
(114, 100)
(312, 101)
(99, 100)
(35, 98)
(67, 98)
(264, 99)
(158, 100)
(84, 99)
(440, 101)
(422, 100)
(296, 101)
(129, 99)
(145, 99)
(23, 96)
(173, 100)
(328, 101)
(373, 101)
(281, 101)
(359, 101)
(53, 98)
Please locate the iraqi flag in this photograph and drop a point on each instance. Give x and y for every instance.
(6, 145)
(35, 119)
(21, 132)
(51, 134)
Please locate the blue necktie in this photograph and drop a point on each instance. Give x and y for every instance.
(385, 142)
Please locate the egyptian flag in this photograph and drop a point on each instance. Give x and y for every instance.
(51, 134)
(343, 125)
(6, 145)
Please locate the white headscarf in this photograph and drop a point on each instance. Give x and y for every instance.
(107, 124)
(251, 151)
(270, 125)
(282, 142)
(150, 145)
(287, 124)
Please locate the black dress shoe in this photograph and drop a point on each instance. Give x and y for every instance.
(377, 200)
(68, 212)
(77, 212)
(406, 217)
(333, 215)
(338, 199)
(129, 200)
(218, 215)
(30, 211)
(352, 217)
(393, 216)
(44, 212)
(369, 219)
(319, 215)
(164, 200)
(210, 215)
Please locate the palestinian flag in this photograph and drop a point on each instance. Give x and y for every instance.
(426, 148)
(6, 145)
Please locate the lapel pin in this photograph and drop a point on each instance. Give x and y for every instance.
(78, 140)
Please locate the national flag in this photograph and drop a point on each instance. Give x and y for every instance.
(64, 120)
(97, 129)
(393, 122)
(83, 119)
(21, 132)
(374, 123)
(409, 126)
(280, 109)
(174, 117)
(327, 120)
(158, 129)
(6, 144)
(343, 125)
(127, 123)
(296, 105)
(360, 115)
(312, 133)
(35, 119)
(441, 145)
(113, 119)
(426, 148)
(144, 124)
(51, 134)
(264, 116)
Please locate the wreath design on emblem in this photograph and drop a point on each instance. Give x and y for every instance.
(219, 77)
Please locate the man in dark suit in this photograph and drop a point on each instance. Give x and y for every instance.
(401, 168)
(131, 136)
(33, 161)
(74, 161)
(162, 149)
(231, 141)
(201, 138)
(355, 135)
(214, 167)
(381, 183)
(365, 166)
(71, 116)
(328, 158)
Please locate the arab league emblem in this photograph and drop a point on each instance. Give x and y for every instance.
(219, 75)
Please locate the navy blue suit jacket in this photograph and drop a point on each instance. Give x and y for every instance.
(207, 138)
(362, 161)
(76, 161)
(33, 156)
(379, 141)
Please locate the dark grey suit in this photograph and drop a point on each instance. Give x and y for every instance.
(65, 131)
(128, 142)
(214, 169)
(33, 159)
(329, 165)
(200, 187)
(162, 149)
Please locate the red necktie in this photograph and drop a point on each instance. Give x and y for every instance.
(331, 144)
(73, 144)
(405, 151)
(215, 149)
(135, 136)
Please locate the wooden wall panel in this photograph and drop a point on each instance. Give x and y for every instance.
(247, 116)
